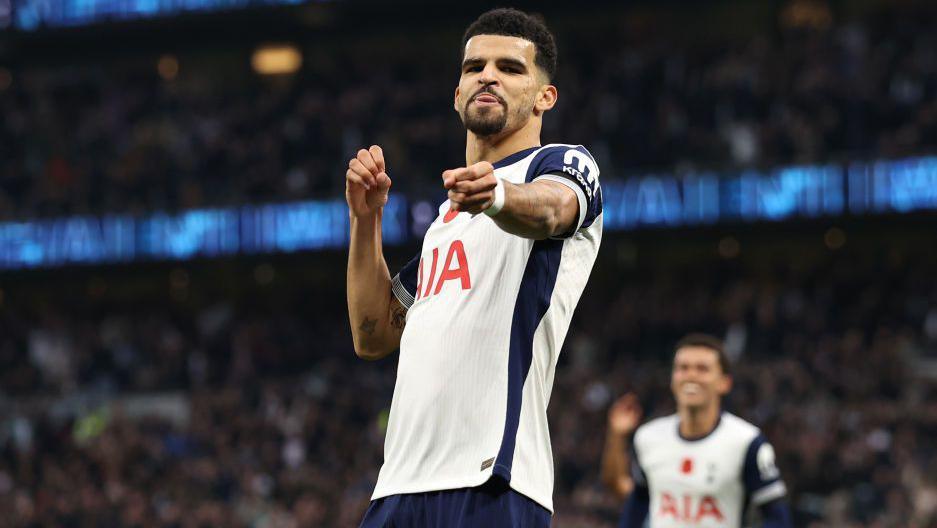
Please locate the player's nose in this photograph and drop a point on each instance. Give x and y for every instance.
(489, 75)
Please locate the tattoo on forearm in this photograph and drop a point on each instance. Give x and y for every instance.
(367, 326)
(398, 319)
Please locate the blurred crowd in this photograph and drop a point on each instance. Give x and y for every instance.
(230, 412)
(128, 136)
(234, 415)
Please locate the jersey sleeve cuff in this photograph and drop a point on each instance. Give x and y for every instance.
(638, 479)
(579, 194)
(401, 293)
(771, 492)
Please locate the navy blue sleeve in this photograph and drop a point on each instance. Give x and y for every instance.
(636, 509)
(776, 514)
(404, 283)
(575, 167)
(638, 504)
(637, 472)
(761, 476)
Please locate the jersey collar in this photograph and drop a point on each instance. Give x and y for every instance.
(513, 158)
(703, 437)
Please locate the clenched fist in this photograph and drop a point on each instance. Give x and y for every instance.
(367, 182)
(471, 189)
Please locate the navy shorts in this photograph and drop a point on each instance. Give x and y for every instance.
(491, 505)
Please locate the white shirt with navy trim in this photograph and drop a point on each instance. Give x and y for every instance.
(707, 482)
(487, 315)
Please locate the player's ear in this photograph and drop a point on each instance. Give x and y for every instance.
(455, 101)
(546, 98)
(725, 384)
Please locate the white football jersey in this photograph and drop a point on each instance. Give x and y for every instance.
(487, 315)
(705, 482)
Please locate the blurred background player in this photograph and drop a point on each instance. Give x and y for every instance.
(699, 467)
(481, 313)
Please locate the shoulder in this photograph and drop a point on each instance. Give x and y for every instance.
(561, 154)
(738, 428)
(569, 163)
(563, 148)
(652, 431)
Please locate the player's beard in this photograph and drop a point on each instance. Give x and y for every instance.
(486, 121)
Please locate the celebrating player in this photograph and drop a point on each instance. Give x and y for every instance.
(700, 467)
(481, 313)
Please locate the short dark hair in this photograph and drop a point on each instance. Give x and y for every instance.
(705, 341)
(513, 23)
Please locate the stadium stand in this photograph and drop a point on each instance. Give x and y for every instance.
(226, 392)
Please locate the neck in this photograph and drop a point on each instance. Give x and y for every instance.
(698, 422)
(499, 146)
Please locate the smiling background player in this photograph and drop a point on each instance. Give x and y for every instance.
(701, 467)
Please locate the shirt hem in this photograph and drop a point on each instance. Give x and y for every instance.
(380, 493)
(425, 487)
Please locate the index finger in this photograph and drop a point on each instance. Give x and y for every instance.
(481, 168)
(449, 177)
(378, 154)
(464, 173)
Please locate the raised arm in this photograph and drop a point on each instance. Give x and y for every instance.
(623, 418)
(377, 317)
(560, 195)
(536, 210)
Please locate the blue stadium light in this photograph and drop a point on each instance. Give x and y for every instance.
(791, 192)
(30, 15)
(653, 201)
(648, 201)
(65, 241)
(295, 227)
(899, 186)
(394, 223)
(199, 233)
(701, 199)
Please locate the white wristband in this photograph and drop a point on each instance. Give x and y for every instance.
(498, 201)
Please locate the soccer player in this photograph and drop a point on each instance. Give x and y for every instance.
(700, 467)
(480, 315)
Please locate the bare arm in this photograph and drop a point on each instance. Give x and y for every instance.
(537, 210)
(377, 318)
(616, 465)
(623, 418)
